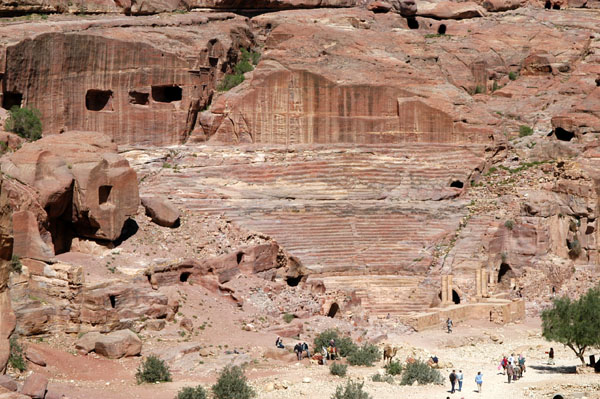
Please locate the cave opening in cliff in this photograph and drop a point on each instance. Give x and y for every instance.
(563, 135)
(455, 297)
(293, 281)
(457, 184)
(166, 93)
(239, 257)
(412, 23)
(11, 99)
(103, 194)
(113, 301)
(598, 82)
(442, 29)
(556, 7)
(333, 309)
(505, 270)
(98, 100)
(183, 277)
(548, 5)
(138, 98)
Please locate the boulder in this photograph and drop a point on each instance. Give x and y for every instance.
(501, 5)
(8, 382)
(379, 6)
(54, 394)
(161, 211)
(87, 342)
(118, 344)
(35, 386)
(187, 324)
(35, 357)
(450, 10)
(155, 324)
(8, 394)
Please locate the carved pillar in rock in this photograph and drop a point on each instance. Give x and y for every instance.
(449, 288)
(484, 283)
(478, 282)
(444, 289)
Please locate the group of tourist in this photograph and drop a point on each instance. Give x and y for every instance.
(512, 366)
(301, 350)
(458, 378)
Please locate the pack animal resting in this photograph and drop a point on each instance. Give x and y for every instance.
(389, 352)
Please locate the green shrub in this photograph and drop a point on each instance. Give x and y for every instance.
(15, 264)
(393, 368)
(366, 355)
(419, 371)
(242, 67)
(525, 131)
(479, 89)
(232, 384)
(153, 370)
(15, 358)
(230, 81)
(344, 345)
(25, 122)
(288, 317)
(509, 224)
(512, 75)
(253, 56)
(352, 390)
(192, 393)
(382, 378)
(338, 369)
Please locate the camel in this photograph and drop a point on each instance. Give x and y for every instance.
(389, 352)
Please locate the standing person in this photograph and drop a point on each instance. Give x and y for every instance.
(305, 349)
(479, 381)
(511, 359)
(449, 325)
(504, 363)
(298, 350)
(325, 354)
(452, 380)
(522, 362)
(509, 372)
(551, 356)
(459, 376)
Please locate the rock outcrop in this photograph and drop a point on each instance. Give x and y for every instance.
(161, 211)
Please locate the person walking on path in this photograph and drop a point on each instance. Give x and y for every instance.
(449, 325)
(479, 381)
(551, 356)
(453, 380)
(459, 376)
(522, 362)
(509, 372)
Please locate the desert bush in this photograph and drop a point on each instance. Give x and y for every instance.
(382, 378)
(288, 317)
(246, 64)
(338, 369)
(419, 371)
(366, 355)
(509, 224)
(230, 81)
(393, 368)
(15, 358)
(25, 122)
(192, 393)
(344, 344)
(525, 131)
(352, 390)
(15, 264)
(512, 75)
(153, 370)
(574, 248)
(479, 89)
(232, 384)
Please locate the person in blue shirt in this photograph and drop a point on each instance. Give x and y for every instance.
(479, 381)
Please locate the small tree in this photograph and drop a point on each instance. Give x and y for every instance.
(232, 384)
(25, 122)
(153, 370)
(574, 323)
(192, 393)
(352, 390)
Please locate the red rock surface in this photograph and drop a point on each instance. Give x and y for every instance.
(35, 386)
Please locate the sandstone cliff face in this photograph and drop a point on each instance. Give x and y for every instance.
(109, 76)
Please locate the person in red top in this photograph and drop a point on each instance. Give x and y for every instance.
(504, 363)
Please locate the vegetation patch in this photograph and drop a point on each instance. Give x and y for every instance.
(15, 358)
(153, 370)
(24, 122)
(344, 344)
(366, 355)
(352, 390)
(192, 393)
(232, 384)
(246, 64)
(393, 368)
(420, 372)
(338, 369)
(525, 131)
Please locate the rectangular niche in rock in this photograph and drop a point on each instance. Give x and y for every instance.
(98, 100)
(138, 97)
(11, 98)
(166, 93)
